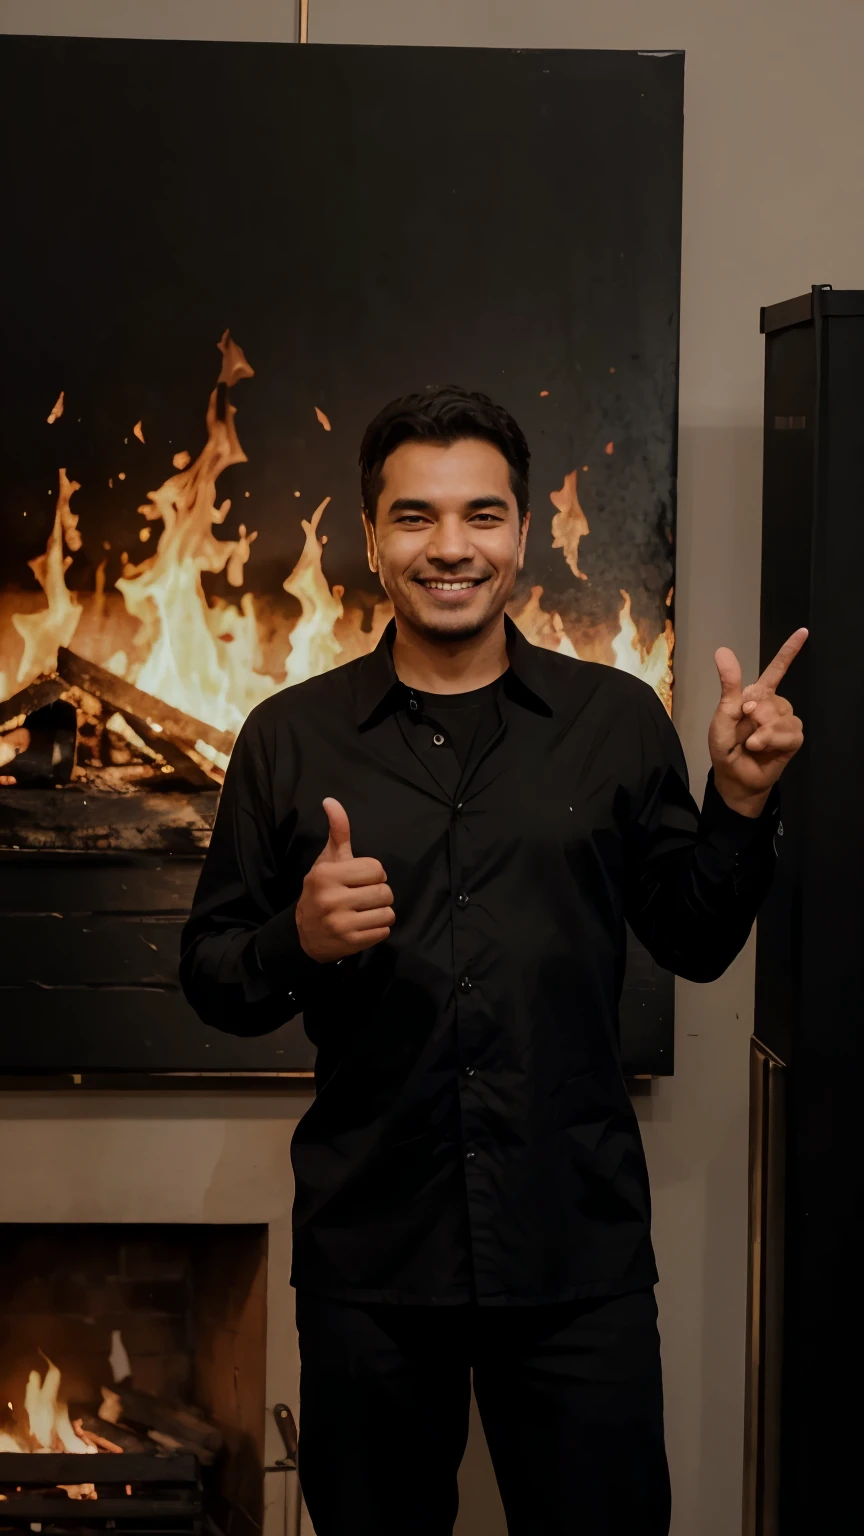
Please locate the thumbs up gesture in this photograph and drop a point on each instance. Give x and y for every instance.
(754, 733)
(346, 904)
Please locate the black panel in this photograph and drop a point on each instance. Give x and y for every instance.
(365, 221)
(791, 377)
(88, 971)
(809, 1002)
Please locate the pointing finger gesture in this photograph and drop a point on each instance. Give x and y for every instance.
(753, 733)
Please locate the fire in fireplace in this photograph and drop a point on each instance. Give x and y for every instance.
(141, 1349)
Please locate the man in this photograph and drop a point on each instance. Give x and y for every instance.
(432, 852)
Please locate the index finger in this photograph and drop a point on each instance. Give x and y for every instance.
(776, 670)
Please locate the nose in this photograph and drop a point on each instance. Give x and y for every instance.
(450, 541)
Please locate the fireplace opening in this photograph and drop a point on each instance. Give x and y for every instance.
(132, 1378)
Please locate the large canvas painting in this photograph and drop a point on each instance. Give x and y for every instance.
(220, 261)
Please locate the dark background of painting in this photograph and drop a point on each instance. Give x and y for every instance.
(366, 221)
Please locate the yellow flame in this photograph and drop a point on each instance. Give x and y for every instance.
(55, 625)
(314, 647)
(187, 664)
(654, 666)
(48, 1417)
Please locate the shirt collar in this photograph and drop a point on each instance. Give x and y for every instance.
(378, 690)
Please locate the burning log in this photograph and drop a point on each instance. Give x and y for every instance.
(113, 1437)
(14, 711)
(48, 752)
(129, 700)
(173, 756)
(182, 1426)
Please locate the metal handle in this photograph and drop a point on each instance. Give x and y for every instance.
(287, 1427)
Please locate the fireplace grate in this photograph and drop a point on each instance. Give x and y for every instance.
(138, 1495)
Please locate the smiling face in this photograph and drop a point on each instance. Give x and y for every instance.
(446, 540)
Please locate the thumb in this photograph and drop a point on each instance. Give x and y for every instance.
(339, 841)
(729, 672)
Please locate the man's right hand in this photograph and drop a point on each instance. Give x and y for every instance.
(346, 904)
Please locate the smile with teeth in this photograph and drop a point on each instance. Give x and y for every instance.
(450, 586)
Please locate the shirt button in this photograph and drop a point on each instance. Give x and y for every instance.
(465, 985)
(412, 704)
(438, 739)
(470, 1156)
(462, 899)
(469, 1071)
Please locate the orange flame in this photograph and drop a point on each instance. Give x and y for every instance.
(50, 1428)
(654, 666)
(43, 632)
(544, 629)
(569, 524)
(49, 1425)
(187, 664)
(314, 647)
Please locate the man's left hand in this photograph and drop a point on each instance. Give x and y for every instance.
(753, 734)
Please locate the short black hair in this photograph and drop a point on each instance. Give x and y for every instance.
(444, 414)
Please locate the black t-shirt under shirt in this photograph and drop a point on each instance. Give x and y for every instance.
(467, 721)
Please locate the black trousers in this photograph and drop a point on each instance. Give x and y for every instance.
(570, 1397)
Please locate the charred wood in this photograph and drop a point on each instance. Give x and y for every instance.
(15, 710)
(49, 756)
(180, 1424)
(126, 698)
(80, 819)
(174, 755)
(128, 1440)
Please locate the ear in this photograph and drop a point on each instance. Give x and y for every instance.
(523, 538)
(371, 542)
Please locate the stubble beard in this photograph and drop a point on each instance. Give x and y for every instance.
(447, 629)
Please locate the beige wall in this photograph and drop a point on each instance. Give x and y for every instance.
(772, 203)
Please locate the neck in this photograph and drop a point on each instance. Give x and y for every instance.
(455, 666)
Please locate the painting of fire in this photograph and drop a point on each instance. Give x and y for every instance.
(223, 260)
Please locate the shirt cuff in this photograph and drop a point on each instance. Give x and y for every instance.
(276, 961)
(730, 832)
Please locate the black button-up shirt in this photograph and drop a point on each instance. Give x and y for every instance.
(471, 1134)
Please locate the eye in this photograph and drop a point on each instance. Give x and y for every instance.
(486, 517)
(412, 519)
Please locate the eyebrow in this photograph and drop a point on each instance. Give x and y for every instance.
(417, 504)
